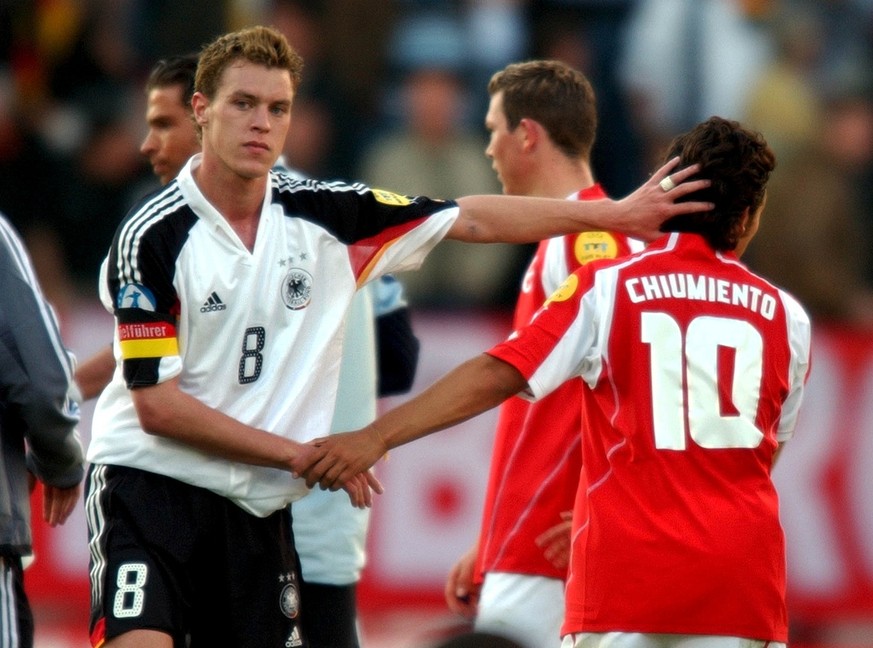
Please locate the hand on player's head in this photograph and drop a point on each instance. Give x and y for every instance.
(643, 211)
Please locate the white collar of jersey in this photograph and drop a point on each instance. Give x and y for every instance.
(203, 208)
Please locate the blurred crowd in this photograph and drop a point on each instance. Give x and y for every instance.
(394, 94)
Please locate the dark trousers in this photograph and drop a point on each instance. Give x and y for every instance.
(16, 617)
(330, 615)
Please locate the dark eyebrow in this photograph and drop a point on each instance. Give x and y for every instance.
(239, 94)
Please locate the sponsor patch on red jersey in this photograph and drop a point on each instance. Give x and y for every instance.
(565, 290)
(591, 246)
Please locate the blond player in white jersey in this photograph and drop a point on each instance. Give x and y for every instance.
(230, 289)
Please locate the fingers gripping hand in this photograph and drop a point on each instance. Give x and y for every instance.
(461, 591)
(342, 456)
(360, 489)
(556, 541)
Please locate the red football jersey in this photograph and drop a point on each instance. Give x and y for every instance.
(694, 370)
(539, 440)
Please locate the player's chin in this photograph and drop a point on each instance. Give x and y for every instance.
(254, 168)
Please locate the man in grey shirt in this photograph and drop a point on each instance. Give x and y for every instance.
(38, 437)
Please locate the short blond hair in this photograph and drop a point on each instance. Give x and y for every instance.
(262, 45)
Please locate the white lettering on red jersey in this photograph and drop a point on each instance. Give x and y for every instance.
(688, 394)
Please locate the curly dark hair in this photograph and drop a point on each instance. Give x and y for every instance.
(739, 162)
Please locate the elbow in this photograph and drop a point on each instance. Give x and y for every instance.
(155, 417)
(153, 423)
(501, 379)
(470, 227)
(398, 350)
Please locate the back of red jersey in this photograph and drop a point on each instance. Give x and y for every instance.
(695, 368)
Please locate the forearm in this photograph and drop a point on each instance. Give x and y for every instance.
(41, 409)
(95, 373)
(55, 454)
(168, 412)
(470, 389)
(521, 219)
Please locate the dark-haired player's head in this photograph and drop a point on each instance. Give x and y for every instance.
(172, 137)
(738, 161)
(175, 71)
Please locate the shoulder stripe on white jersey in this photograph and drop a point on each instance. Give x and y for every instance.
(132, 231)
(288, 184)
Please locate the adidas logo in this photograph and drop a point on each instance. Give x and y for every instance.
(214, 303)
(294, 639)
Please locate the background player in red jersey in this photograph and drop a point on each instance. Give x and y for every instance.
(542, 118)
(694, 370)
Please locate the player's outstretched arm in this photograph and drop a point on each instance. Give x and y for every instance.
(523, 219)
(470, 389)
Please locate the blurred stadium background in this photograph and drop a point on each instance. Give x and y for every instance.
(382, 74)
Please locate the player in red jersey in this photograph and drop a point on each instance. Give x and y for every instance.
(694, 370)
(542, 118)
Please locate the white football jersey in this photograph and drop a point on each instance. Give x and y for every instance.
(253, 334)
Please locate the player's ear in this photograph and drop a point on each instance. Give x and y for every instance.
(748, 227)
(745, 222)
(199, 104)
(531, 132)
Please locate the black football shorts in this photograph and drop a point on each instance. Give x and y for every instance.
(182, 560)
